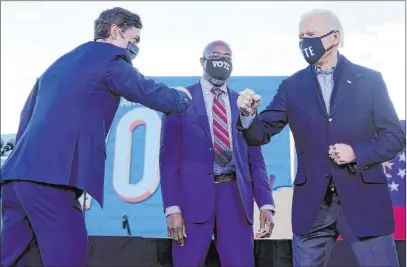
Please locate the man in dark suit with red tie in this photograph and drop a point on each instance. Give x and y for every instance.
(209, 175)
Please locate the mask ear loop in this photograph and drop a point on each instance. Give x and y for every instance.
(123, 35)
(333, 37)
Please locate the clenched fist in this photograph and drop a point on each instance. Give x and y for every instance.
(248, 101)
(341, 154)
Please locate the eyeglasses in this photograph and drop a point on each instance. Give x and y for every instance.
(218, 56)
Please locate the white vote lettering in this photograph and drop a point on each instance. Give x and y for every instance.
(308, 51)
(221, 64)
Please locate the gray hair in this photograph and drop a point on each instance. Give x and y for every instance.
(332, 18)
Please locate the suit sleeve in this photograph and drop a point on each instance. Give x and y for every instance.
(390, 138)
(170, 159)
(123, 79)
(261, 185)
(269, 122)
(27, 111)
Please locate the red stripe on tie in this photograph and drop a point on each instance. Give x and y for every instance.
(220, 105)
(220, 127)
(218, 147)
(222, 138)
(220, 115)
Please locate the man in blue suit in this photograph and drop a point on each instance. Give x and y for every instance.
(209, 176)
(61, 150)
(344, 126)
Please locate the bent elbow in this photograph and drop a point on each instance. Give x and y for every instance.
(179, 106)
(254, 140)
(182, 106)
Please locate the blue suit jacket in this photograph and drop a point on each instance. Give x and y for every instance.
(67, 116)
(363, 116)
(187, 157)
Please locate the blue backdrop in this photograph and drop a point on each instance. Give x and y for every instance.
(132, 171)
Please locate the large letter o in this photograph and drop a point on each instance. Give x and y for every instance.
(122, 155)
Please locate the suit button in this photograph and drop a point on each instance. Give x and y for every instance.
(326, 175)
(366, 167)
(210, 174)
(211, 149)
(330, 119)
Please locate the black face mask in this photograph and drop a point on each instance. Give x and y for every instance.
(219, 69)
(132, 49)
(313, 49)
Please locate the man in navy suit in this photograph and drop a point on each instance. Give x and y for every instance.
(344, 126)
(209, 176)
(61, 150)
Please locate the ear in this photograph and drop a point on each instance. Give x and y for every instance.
(336, 37)
(202, 60)
(113, 31)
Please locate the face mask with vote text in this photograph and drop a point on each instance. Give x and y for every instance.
(313, 49)
(219, 69)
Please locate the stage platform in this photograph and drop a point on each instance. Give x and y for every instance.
(149, 252)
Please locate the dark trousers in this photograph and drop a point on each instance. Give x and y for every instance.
(314, 248)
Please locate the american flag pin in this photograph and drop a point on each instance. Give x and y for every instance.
(348, 81)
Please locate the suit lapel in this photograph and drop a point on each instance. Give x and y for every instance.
(309, 84)
(234, 110)
(200, 108)
(344, 85)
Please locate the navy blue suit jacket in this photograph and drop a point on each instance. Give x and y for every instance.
(363, 116)
(67, 116)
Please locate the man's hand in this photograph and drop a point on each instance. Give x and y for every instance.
(248, 101)
(341, 154)
(266, 224)
(176, 228)
(185, 90)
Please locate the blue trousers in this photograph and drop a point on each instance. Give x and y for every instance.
(233, 233)
(48, 215)
(314, 248)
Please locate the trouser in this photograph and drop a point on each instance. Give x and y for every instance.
(233, 233)
(45, 214)
(314, 248)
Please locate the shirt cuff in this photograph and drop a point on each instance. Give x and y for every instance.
(172, 209)
(269, 207)
(246, 120)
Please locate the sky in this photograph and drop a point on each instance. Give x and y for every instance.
(263, 37)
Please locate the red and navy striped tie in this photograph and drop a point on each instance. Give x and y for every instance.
(223, 154)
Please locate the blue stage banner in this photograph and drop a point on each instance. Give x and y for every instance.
(132, 185)
(132, 182)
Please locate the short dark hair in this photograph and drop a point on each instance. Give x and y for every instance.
(119, 16)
